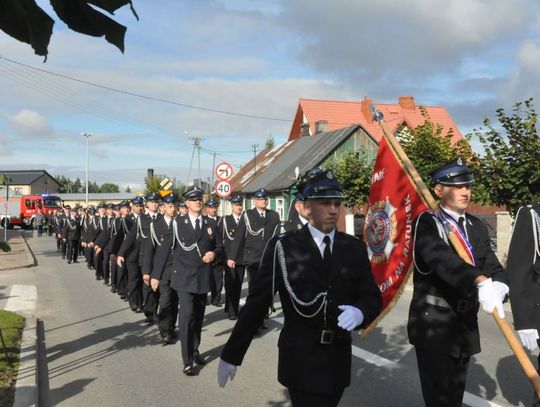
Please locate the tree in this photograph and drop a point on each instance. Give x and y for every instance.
(25, 21)
(77, 186)
(93, 187)
(510, 167)
(128, 189)
(428, 148)
(353, 171)
(109, 187)
(152, 184)
(270, 142)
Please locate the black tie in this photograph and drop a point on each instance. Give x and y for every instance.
(262, 215)
(197, 228)
(461, 223)
(327, 255)
(153, 217)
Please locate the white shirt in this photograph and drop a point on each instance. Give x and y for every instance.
(261, 213)
(318, 237)
(193, 219)
(456, 216)
(167, 220)
(302, 219)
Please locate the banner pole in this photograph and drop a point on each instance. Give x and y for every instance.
(421, 187)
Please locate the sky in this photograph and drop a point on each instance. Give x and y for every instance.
(254, 59)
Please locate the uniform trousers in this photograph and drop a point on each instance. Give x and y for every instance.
(150, 302)
(89, 253)
(121, 278)
(190, 320)
(252, 270)
(98, 264)
(107, 264)
(216, 283)
(72, 250)
(63, 247)
(442, 378)
(134, 283)
(300, 398)
(167, 311)
(234, 277)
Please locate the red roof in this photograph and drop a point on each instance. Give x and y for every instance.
(340, 114)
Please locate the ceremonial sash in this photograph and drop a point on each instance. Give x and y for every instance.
(447, 220)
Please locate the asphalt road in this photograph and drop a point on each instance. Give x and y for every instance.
(97, 352)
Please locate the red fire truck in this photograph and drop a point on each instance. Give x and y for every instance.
(21, 209)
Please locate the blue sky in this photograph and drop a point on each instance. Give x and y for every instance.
(256, 58)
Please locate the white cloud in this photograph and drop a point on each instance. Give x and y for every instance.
(28, 123)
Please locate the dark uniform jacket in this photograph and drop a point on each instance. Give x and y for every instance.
(90, 228)
(130, 247)
(304, 362)
(71, 229)
(444, 307)
(523, 268)
(119, 230)
(227, 229)
(252, 235)
(162, 232)
(149, 243)
(104, 225)
(190, 273)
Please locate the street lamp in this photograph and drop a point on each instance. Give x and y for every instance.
(87, 135)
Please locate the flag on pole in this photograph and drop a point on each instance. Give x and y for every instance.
(393, 204)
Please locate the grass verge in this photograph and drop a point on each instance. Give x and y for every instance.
(11, 326)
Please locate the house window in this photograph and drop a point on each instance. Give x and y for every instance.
(280, 207)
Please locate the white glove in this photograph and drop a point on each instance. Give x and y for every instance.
(225, 371)
(502, 288)
(350, 318)
(529, 338)
(489, 297)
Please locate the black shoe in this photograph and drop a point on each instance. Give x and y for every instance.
(69, 261)
(133, 308)
(113, 290)
(167, 339)
(189, 370)
(150, 320)
(75, 261)
(233, 316)
(198, 359)
(105, 282)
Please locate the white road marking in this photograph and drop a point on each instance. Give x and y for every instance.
(22, 298)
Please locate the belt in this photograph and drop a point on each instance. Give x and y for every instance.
(461, 305)
(322, 336)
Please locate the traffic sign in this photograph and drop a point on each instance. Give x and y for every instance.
(166, 184)
(223, 188)
(224, 171)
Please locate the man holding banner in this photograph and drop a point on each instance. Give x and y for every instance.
(443, 324)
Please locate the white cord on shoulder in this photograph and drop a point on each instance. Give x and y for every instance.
(249, 229)
(442, 235)
(536, 233)
(226, 230)
(154, 239)
(182, 246)
(294, 299)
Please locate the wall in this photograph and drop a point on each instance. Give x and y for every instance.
(504, 233)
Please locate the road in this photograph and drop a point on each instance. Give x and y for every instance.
(96, 351)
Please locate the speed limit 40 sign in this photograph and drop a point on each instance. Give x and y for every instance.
(224, 171)
(223, 188)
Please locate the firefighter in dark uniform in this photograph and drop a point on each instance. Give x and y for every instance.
(257, 226)
(216, 283)
(121, 227)
(72, 236)
(523, 267)
(443, 324)
(234, 277)
(197, 244)
(90, 233)
(299, 217)
(161, 230)
(102, 227)
(128, 256)
(104, 244)
(326, 290)
(146, 257)
(61, 230)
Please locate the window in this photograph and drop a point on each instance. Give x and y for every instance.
(280, 207)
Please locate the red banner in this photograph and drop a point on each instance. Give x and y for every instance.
(393, 206)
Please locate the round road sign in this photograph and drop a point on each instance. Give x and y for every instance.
(223, 188)
(224, 171)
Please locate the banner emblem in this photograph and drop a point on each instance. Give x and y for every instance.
(382, 229)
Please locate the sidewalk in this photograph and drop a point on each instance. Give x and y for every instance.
(20, 255)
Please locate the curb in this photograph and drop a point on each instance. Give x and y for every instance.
(26, 388)
(30, 256)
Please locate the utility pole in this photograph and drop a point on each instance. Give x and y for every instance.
(254, 146)
(87, 135)
(213, 167)
(196, 146)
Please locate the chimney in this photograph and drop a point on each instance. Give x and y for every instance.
(407, 102)
(321, 126)
(150, 173)
(304, 130)
(364, 106)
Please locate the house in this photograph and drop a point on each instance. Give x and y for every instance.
(28, 182)
(274, 168)
(314, 115)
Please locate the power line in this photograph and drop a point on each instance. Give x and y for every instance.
(124, 92)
